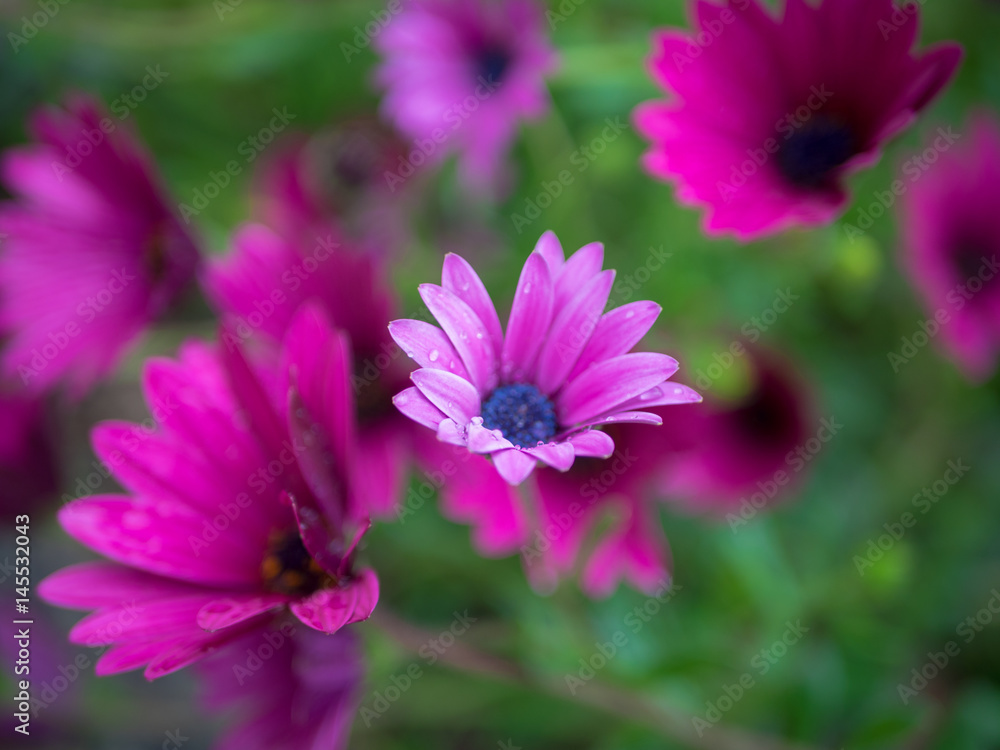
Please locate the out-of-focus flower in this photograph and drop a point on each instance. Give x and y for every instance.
(261, 284)
(339, 175)
(242, 506)
(538, 391)
(459, 75)
(93, 252)
(951, 247)
(768, 115)
(717, 456)
(301, 697)
(27, 466)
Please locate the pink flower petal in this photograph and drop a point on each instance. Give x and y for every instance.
(529, 320)
(327, 610)
(571, 330)
(616, 333)
(453, 395)
(513, 465)
(559, 456)
(427, 345)
(483, 440)
(468, 334)
(459, 278)
(610, 383)
(415, 405)
(580, 268)
(232, 610)
(549, 247)
(593, 444)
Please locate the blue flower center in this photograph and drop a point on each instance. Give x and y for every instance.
(522, 413)
(491, 64)
(816, 151)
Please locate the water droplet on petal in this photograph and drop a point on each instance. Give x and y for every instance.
(465, 286)
(630, 314)
(433, 356)
(527, 288)
(479, 334)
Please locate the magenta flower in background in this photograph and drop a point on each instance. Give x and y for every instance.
(242, 506)
(538, 391)
(459, 75)
(717, 456)
(266, 278)
(94, 251)
(301, 697)
(767, 115)
(338, 176)
(599, 518)
(950, 231)
(27, 466)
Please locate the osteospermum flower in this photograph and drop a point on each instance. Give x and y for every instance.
(724, 457)
(337, 175)
(538, 391)
(458, 76)
(262, 283)
(301, 693)
(94, 250)
(768, 115)
(241, 506)
(951, 249)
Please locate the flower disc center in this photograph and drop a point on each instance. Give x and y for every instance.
(815, 151)
(491, 64)
(288, 567)
(522, 413)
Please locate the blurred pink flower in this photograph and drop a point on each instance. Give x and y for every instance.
(950, 230)
(93, 253)
(459, 75)
(27, 465)
(338, 176)
(291, 688)
(717, 456)
(767, 115)
(562, 369)
(242, 506)
(266, 278)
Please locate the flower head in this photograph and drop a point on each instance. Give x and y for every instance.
(303, 697)
(538, 391)
(768, 115)
(266, 278)
(459, 75)
(241, 505)
(94, 251)
(951, 247)
(718, 456)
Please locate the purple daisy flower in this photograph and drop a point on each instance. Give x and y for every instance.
(537, 391)
(302, 697)
(94, 251)
(459, 75)
(951, 247)
(768, 115)
(242, 506)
